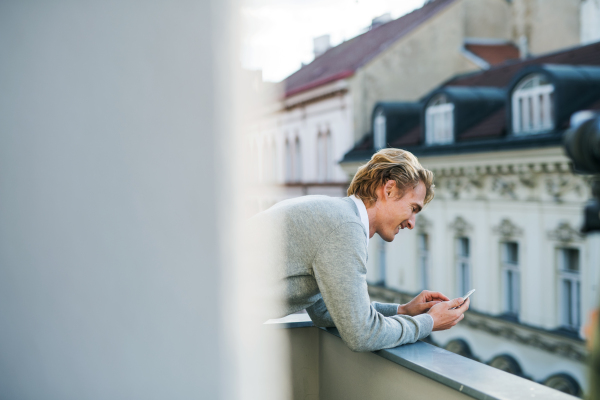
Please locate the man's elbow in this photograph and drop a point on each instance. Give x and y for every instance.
(322, 323)
(360, 345)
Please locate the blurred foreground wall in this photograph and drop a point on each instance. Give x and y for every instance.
(111, 271)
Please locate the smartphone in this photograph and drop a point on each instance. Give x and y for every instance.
(465, 297)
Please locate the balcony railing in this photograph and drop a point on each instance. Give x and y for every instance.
(323, 367)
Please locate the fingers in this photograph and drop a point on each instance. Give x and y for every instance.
(429, 296)
(456, 302)
(457, 320)
(430, 304)
(465, 306)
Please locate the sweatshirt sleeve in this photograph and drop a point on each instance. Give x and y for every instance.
(387, 309)
(319, 315)
(340, 269)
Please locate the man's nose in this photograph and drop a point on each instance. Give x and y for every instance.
(410, 223)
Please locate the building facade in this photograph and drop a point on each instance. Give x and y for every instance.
(326, 106)
(505, 219)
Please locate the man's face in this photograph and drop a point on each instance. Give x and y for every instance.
(395, 212)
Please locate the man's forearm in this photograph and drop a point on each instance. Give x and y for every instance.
(387, 309)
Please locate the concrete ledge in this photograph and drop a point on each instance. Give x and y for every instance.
(466, 377)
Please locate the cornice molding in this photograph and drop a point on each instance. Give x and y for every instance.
(565, 234)
(460, 227)
(507, 230)
(548, 182)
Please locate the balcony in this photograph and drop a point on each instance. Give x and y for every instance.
(322, 367)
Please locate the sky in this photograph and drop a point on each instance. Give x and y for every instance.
(277, 35)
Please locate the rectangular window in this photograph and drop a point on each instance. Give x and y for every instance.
(569, 288)
(297, 161)
(423, 250)
(463, 266)
(289, 162)
(511, 278)
(440, 124)
(382, 261)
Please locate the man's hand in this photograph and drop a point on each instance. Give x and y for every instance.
(443, 315)
(422, 303)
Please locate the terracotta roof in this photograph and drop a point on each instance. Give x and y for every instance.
(501, 75)
(343, 60)
(494, 54)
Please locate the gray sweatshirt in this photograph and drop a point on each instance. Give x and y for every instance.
(317, 247)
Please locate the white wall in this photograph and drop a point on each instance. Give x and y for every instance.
(333, 114)
(110, 263)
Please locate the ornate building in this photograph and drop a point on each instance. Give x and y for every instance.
(506, 215)
(325, 106)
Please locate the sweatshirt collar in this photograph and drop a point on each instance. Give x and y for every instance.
(364, 217)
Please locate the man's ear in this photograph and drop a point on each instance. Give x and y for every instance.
(388, 188)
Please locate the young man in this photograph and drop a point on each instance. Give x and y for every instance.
(316, 251)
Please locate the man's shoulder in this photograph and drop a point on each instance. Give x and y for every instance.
(324, 206)
(316, 215)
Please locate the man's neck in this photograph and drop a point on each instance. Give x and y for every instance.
(372, 213)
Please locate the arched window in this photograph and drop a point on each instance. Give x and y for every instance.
(328, 158)
(439, 121)
(324, 156)
(379, 130)
(532, 105)
(288, 161)
(274, 168)
(297, 161)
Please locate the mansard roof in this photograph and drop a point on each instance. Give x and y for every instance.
(575, 88)
(471, 104)
(400, 117)
(575, 74)
(343, 60)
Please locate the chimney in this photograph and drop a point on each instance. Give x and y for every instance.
(382, 19)
(523, 47)
(321, 44)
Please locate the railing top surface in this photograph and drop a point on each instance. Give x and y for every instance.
(470, 377)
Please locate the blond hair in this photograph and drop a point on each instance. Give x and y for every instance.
(401, 166)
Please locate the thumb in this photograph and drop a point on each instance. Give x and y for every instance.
(430, 304)
(456, 302)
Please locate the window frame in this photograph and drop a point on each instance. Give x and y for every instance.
(324, 156)
(571, 311)
(462, 263)
(423, 256)
(532, 108)
(379, 130)
(297, 163)
(289, 161)
(439, 121)
(382, 260)
(511, 277)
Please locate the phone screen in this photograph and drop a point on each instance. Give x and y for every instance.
(465, 297)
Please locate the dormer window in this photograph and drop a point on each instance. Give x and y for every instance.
(379, 128)
(532, 105)
(439, 121)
